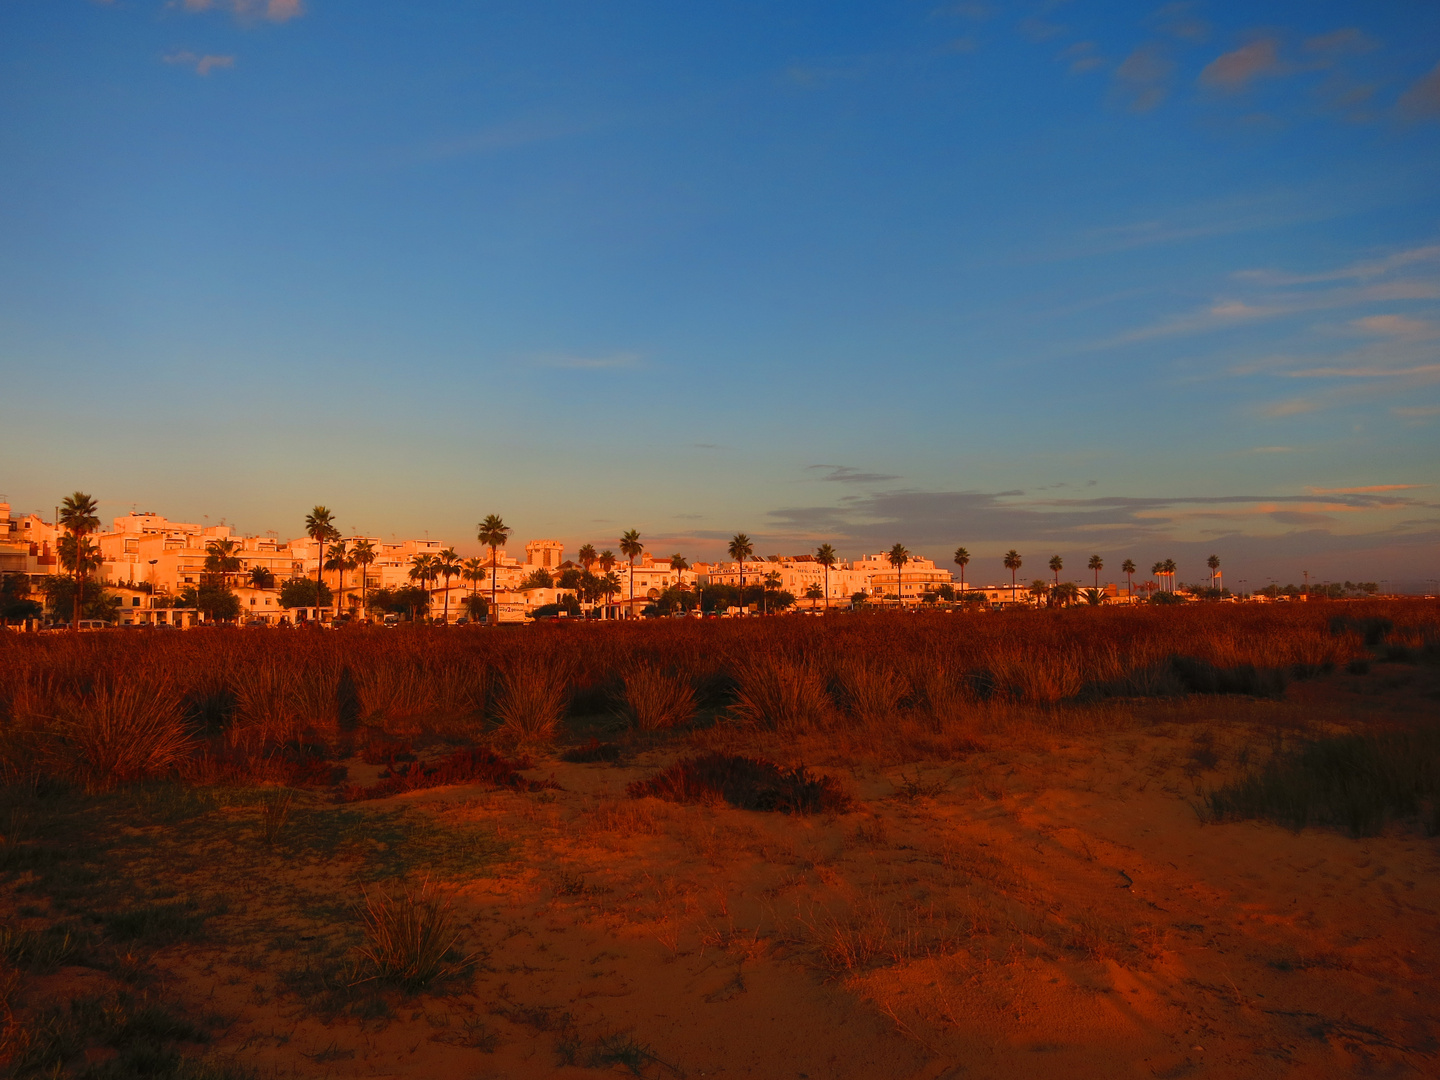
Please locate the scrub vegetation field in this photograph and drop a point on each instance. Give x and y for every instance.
(1186, 841)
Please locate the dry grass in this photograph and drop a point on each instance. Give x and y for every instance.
(657, 699)
(410, 938)
(531, 701)
(120, 731)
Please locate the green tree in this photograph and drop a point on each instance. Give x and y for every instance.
(222, 560)
(448, 565)
(1170, 568)
(1128, 568)
(301, 592)
(477, 608)
(772, 585)
(1039, 590)
(1097, 564)
(492, 532)
(741, 549)
(215, 599)
(587, 556)
(632, 549)
(1213, 562)
(320, 527)
(1013, 564)
(79, 518)
(473, 571)
(15, 602)
(1057, 564)
(261, 578)
(538, 578)
(962, 560)
(423, 571)
(363, 553)
(815, 592)
(825, 555)
(897, 558)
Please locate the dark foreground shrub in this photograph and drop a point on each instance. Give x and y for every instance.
(477, 765)
(744, 782)
(1372, 629)
(594, 750)
(1355, 782)
(1181, 675)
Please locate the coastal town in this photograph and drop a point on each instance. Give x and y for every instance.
(147, 570)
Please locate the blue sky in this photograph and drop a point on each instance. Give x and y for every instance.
(1143, 280)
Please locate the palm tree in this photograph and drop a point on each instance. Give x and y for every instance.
(962, 560)
(473, 571)
(448, 565)
(1214, 563)
(587, 556)
(261, 578)
(492, 532)
(221, 560)
(632, 549)
(607, 564)
(1170, 569)
(897, 558)
(741, 549)
(1057, 564)
(679, 564)
(364, 555)
(1128, 568)
(826, 557)
(423, 570)
(320, 526)
(1039, 588)
(1097, 564)
(772, 583)
(78, 517)
(339, 561)
(610, 583)
(1012, 563)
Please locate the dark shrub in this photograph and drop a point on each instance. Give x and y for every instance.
(476, 765)
(594, 750)
(744, 782)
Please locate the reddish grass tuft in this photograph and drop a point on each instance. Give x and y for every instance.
(744, 782)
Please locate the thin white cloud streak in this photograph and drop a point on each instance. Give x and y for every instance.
(201, 65)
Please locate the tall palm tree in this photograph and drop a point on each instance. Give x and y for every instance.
(587, 556)
(897, 558)
(79, 517)
(610, 583)
(1012, 563)
(423, 570)
(1213, 562)
(339, 561)
(1170, 569)
(772, 583)
(473, 571)
(606, 560)
(741, 549)
(1039, 588)
(826, 557)
(320, 526)
(679, 564)
(1057, 564)
(1158, 571)
(492, 532)
(1097, 564)
(364, 555)
(1128, 568)
(632, 549)
(962, 560)
(448, 564)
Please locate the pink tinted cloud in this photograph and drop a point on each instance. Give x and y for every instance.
(202, 65)
(1422, 100)
(1237, 70)
(275, 10)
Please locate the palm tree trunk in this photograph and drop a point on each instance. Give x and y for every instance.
(827, 588)
(491, 616)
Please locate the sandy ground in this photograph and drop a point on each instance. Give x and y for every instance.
(1058, 908)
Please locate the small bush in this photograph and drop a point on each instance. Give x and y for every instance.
(1356, 782)
(475, 765)
(656, 699)
(387, 753)
(744, 782)
(410, 938)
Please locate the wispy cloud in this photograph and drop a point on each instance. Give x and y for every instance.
(201, 65)
(1369, 489)
(1142, 80)
(1415, 412)
(1358, 271)
(273, 10)
(844, 474)
(1294, 407)
(1398, 326)
(1082, 57)
(1422, 100)
(1179, 20)
(1235, 71)
(1347, 40)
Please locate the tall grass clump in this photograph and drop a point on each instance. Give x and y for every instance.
(780, 694)
(410, 938)
(531, 700)
(657, 699)
(117, 732)
(870, 690)
(1354, 782)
